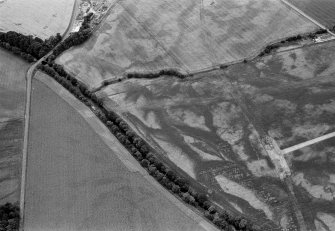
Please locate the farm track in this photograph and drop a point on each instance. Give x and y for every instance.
(29, 76)
(207, 39)
(308, 143)
(72, 20)
(307, 16)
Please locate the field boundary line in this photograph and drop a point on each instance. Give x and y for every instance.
(208, 40)
(110, 140)
(168, 52)
(306, 16)
(308, 143)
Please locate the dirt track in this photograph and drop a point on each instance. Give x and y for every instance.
(307, 143)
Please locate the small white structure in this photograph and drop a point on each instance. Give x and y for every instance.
(76, 26)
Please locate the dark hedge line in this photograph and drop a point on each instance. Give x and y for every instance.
(9, 217)
(75, 38)
(33, 48)
(274, 46)
(151, 75)
(145, 155)
(28, 47)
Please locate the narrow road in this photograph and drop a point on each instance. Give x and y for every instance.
(29, 75)
(306, 16)
(307, 143)
(73, 18)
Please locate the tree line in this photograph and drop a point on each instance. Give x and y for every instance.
(75, 38)
(152, 75)
(9, 217)
(268, 49)
(144, 154)
(33, 48)
(28, 47)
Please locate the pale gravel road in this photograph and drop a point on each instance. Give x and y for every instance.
(306, 16)
(30, 73)
(308, 143)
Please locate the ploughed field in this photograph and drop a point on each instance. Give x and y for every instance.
(313, 174)
(76, 182)
(320, 10)
(290, 95)
(187, 35)
(41, 18)
(12, 100)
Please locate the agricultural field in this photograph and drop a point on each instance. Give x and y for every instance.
(320, 10)
(41, 18)
(197, 125)
(290, 95)
(76, 182)
(313, 174)
(187, 35)
(210, 125)
(12, 100)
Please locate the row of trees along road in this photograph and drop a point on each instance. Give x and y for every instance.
(145, 155)
(31, 49)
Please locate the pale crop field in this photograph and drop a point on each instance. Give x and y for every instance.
(12, 99)
(320, 10)
(76, 182)
(41, 18)
(187, 35)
